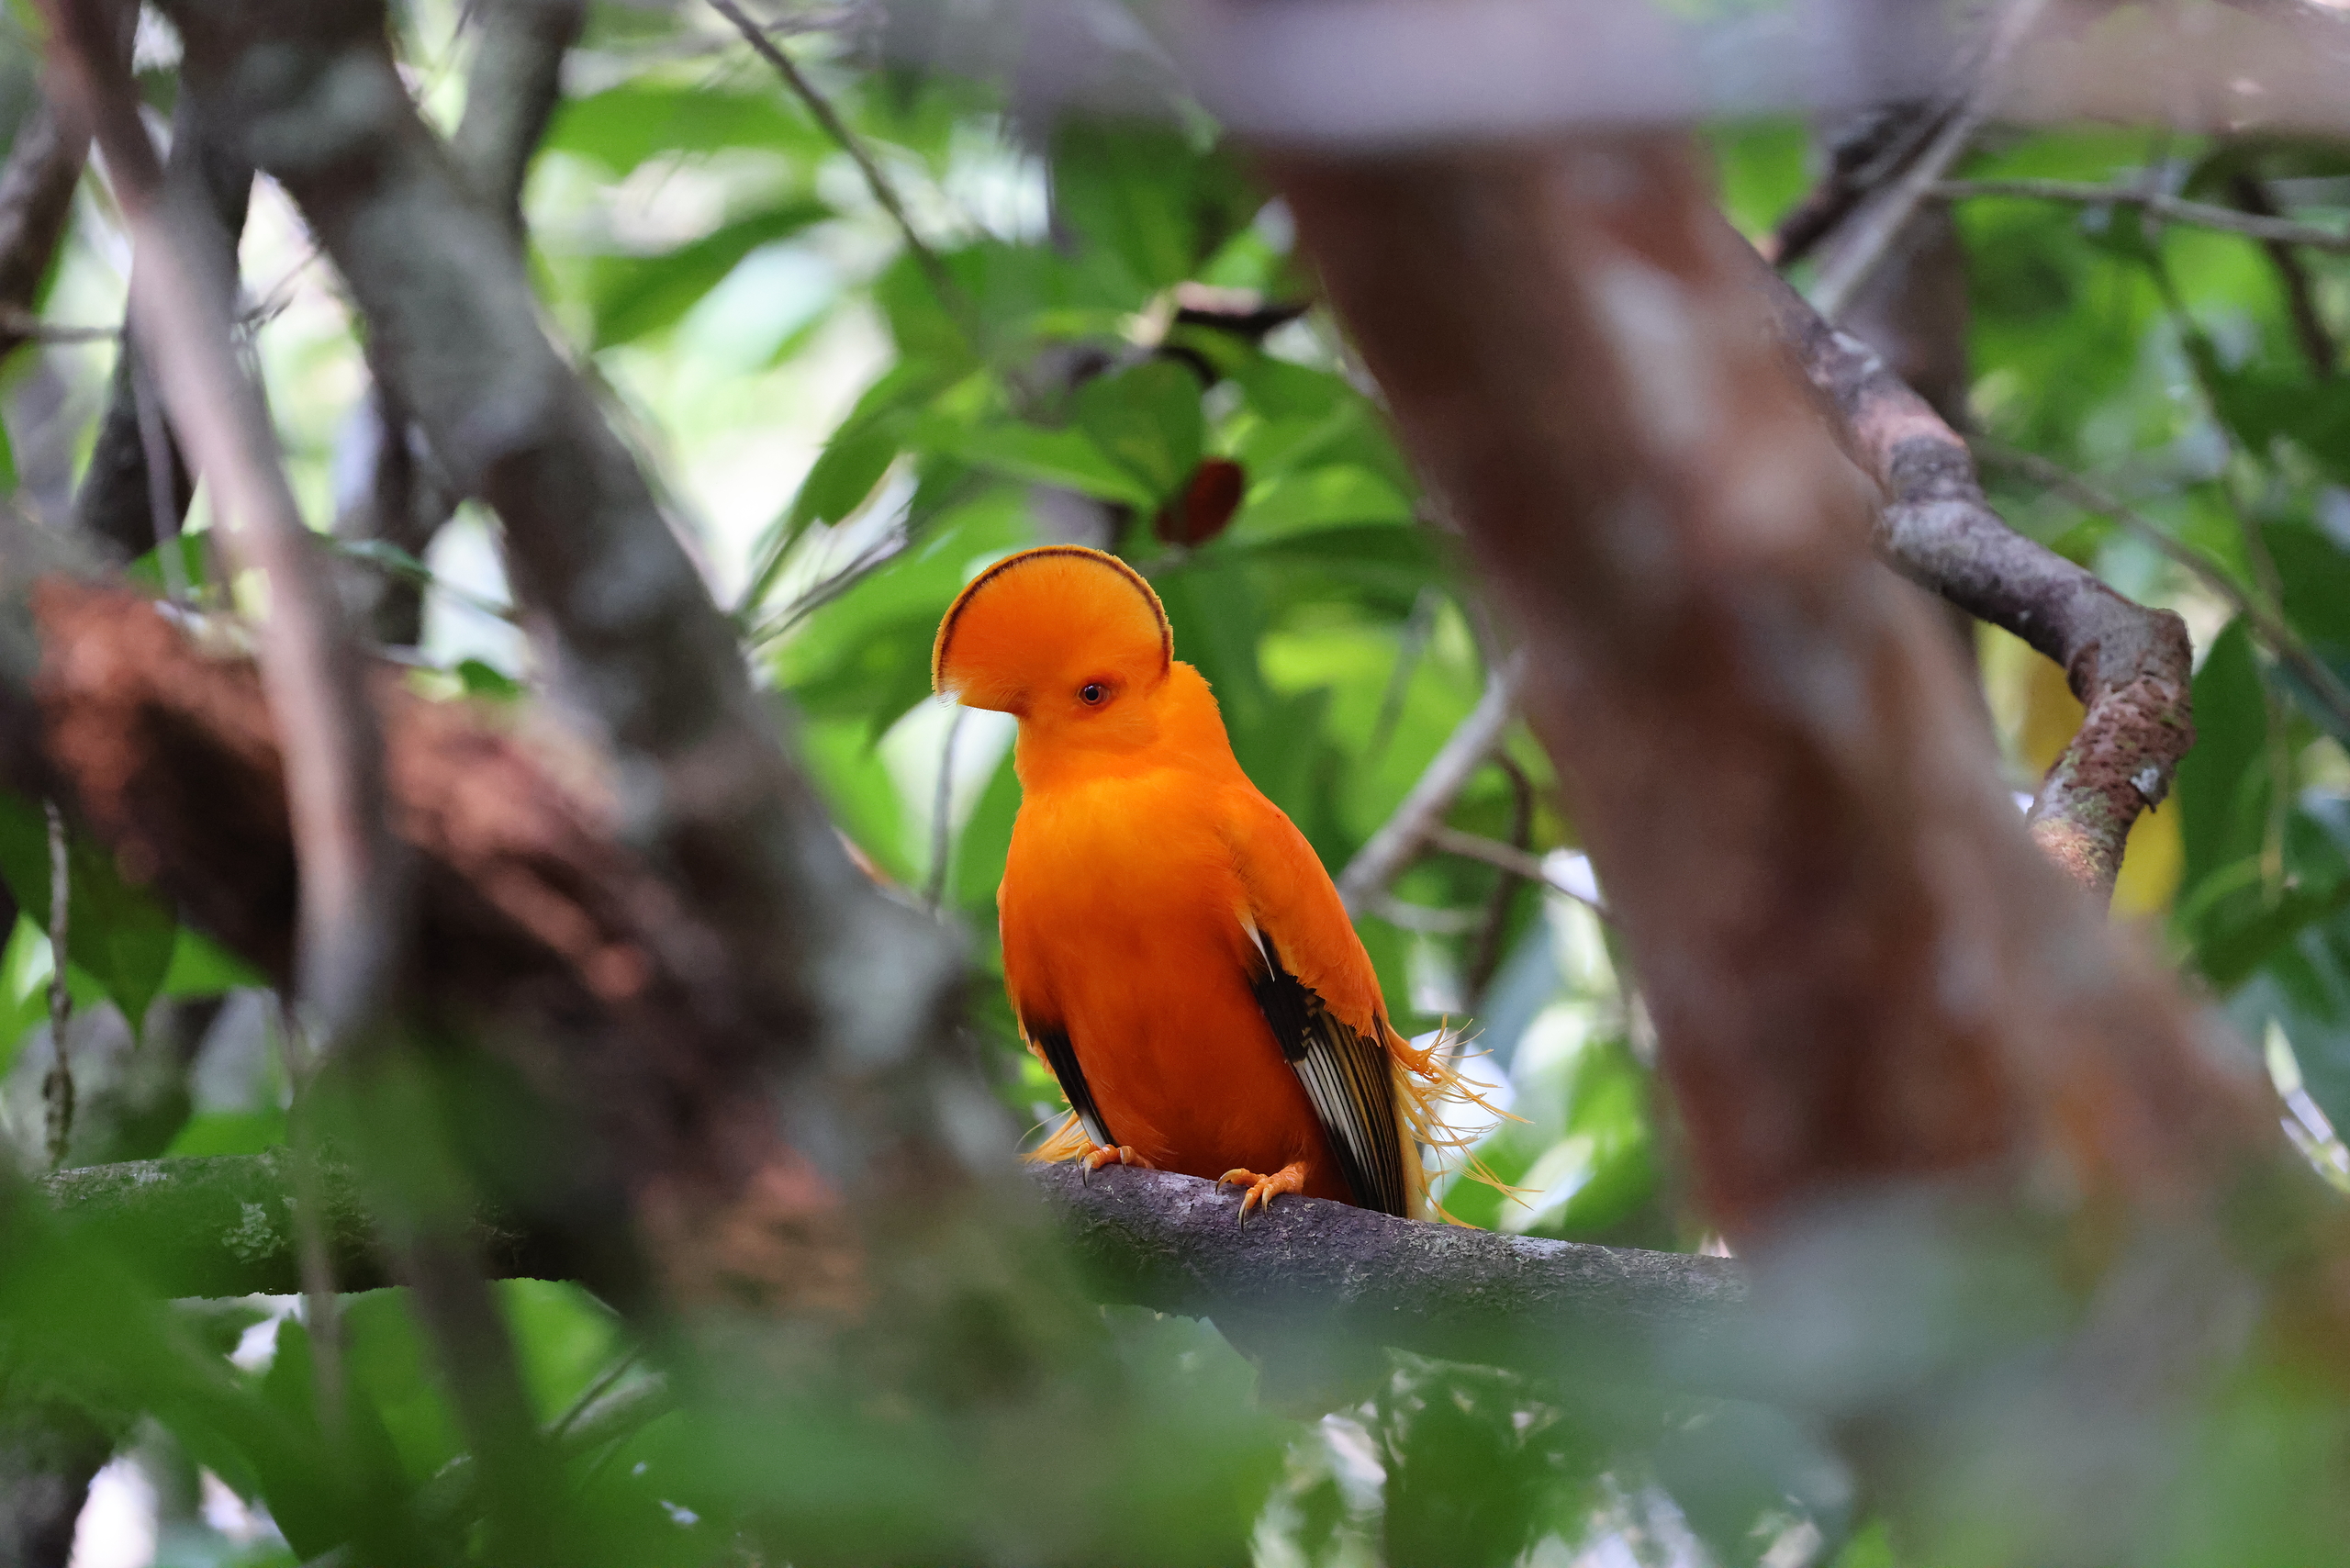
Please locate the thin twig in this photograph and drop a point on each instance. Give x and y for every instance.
(561, 1427)
(57, 1088)
(949, 293)
(2176, 209)
(2252, 193)
(1877, 226)
(1863, 152)
(1486, 956)
(1427, 919)
(866, 562)
(2267, 623)
(21, 325)
(1449, 840)
(1398, 841)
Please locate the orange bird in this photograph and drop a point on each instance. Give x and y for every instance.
(1175, 952)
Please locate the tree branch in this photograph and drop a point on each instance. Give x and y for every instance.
(223, 1226)
(512, 93)
(216, 1226)
(2131, 667)
(2176, 209)
(2252, 193)
(1552, 1309)
(404, 497)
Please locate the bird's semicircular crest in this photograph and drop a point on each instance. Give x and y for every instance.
(1042, 615)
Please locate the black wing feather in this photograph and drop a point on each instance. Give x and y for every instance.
(1061, 1056)
(1347, 1079)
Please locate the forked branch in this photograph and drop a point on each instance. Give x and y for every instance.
(2129, 665)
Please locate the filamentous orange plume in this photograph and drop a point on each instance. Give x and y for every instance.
(1175, 952)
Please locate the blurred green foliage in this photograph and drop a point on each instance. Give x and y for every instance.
(852, 443)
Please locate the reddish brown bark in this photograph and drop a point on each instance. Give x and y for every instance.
(535, 928)
(1860, 968)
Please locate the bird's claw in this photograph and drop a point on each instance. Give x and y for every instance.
(1106, 1154)
(1263, 1190)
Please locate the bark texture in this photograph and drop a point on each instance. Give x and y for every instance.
(2131, 667)
(1892, 1030)
(1860, 970)
(1339, 1275)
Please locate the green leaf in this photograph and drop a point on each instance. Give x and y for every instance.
(632, 295)
(1067, 457)
(229, 1132)
(2222, 783)
(1320, 499)
(8, 459)
(565, 1337)
(24, 988)
(1149, 205)
(121, 933)
(853, 464)
(624, 126)
(194, 557)
(386, 1355)
(487, 682)
(2316, 576)
(201, 966)
(1146, 419)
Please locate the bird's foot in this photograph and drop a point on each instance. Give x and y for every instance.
(1263, 1190)
(1106, 1154)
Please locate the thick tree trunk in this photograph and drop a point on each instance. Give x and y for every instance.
(1874, 997)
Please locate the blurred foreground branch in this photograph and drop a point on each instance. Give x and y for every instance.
(223, 1225)
(773, 955)
(1898, 1047)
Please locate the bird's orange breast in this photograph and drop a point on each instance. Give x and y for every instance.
(1122, 922)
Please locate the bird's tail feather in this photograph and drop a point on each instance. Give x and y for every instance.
(1431, 1093)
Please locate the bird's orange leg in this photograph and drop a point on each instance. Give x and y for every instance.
(1263, 1190)
(1108, 1154)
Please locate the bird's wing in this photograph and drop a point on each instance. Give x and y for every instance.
(1317, 989)
(1051, 1042)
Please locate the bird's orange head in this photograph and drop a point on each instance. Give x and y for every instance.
(1071, 641)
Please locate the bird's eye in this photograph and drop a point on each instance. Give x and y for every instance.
(1091, 693)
